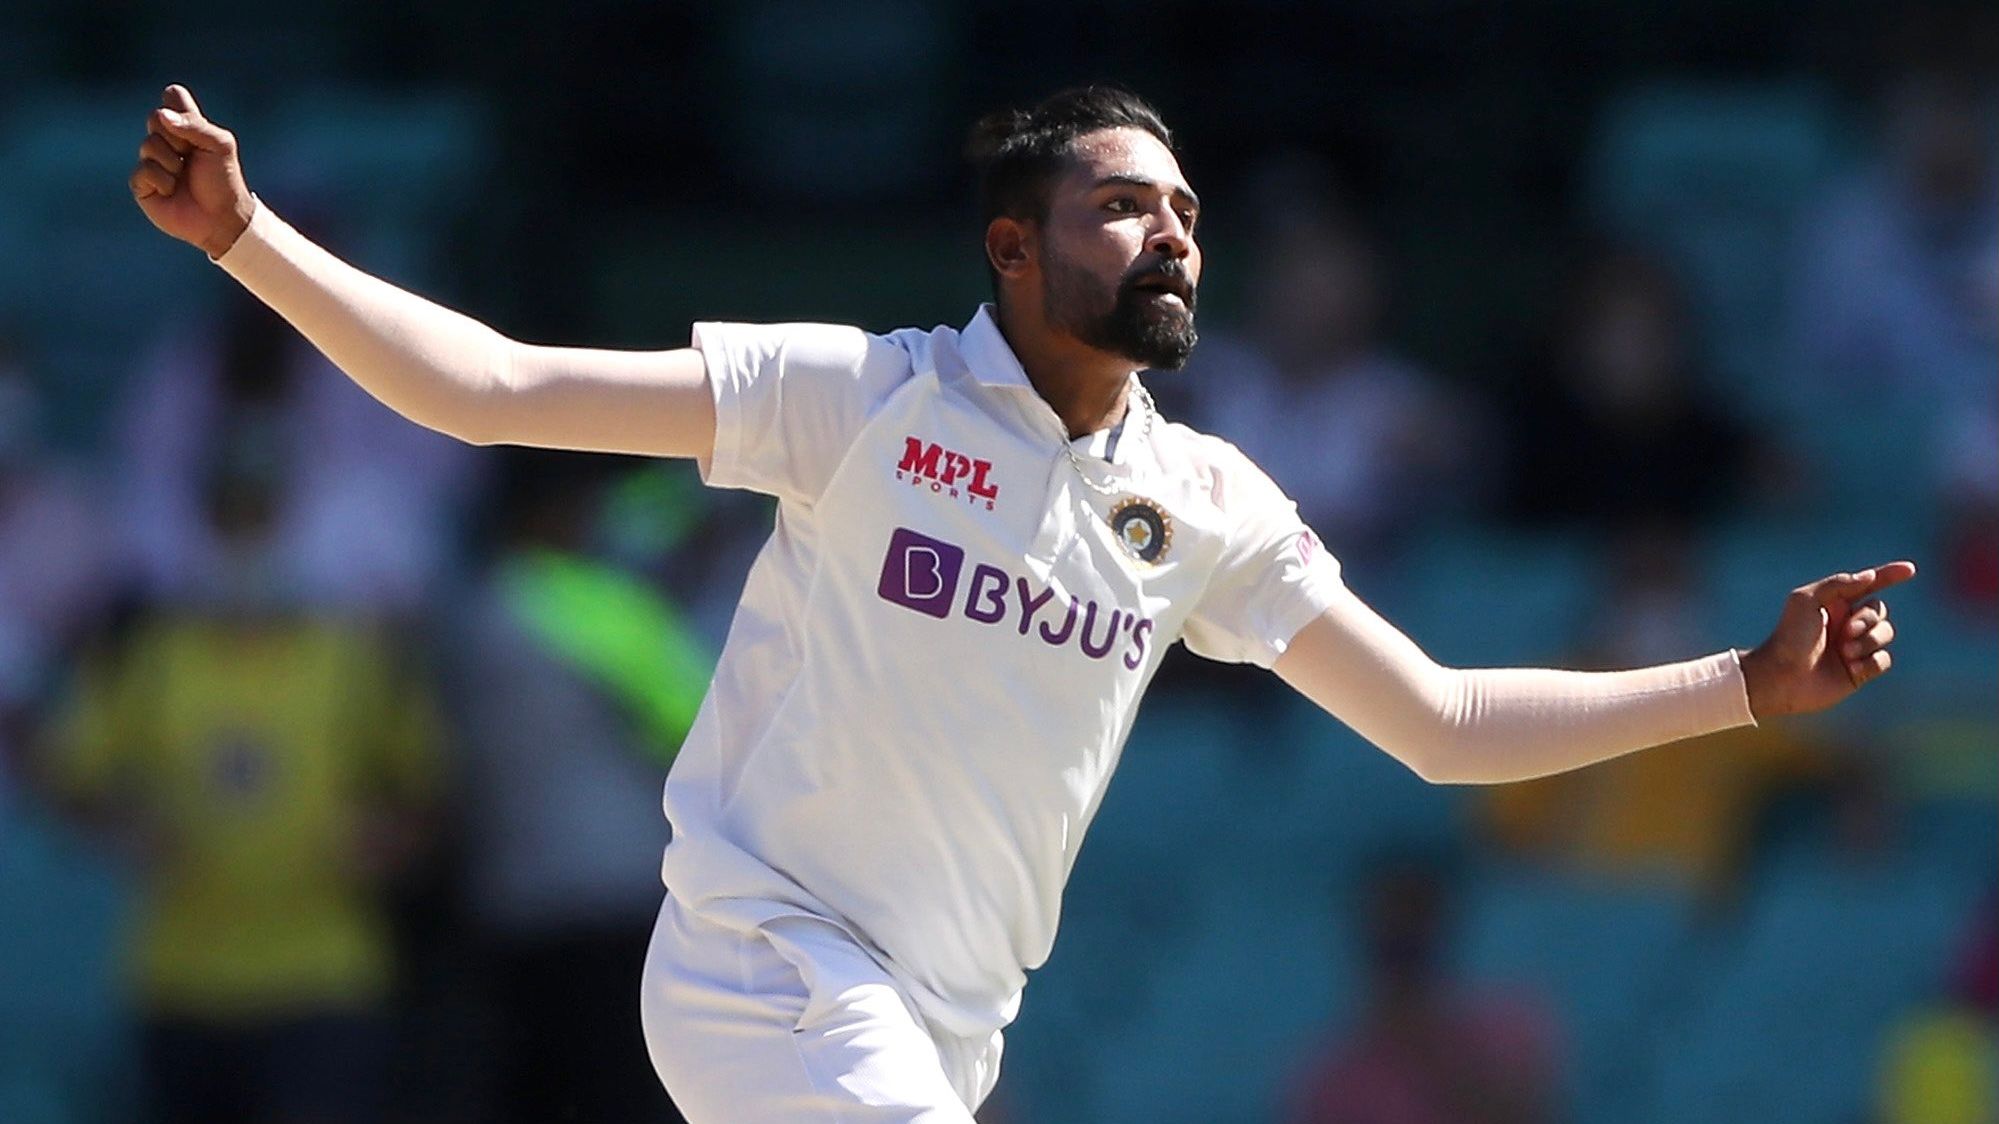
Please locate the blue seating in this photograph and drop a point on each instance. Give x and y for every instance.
(1788, 1023)
(392, 168)
(1196, 903)
(1051, 1066)
(1127, 900)
(1955, 838)
(1713, 175)
(87, 274)
(1473, 597)
(65, 1037)
(1180, 772)
(1335, 800)
(1236, 1013)
(1602, 953)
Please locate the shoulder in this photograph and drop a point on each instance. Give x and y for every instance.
(1217, 469)
(825, 344)
(832, 353)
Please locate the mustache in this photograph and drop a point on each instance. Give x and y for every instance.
(1170, 276)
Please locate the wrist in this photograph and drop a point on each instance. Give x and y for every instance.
(1756, 682)
(232, 228)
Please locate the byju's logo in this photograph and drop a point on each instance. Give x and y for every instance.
(921, 573)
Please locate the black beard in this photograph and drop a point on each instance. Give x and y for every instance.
(1138, 325)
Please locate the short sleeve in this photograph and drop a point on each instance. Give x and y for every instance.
(1274, 576)
(789, 401)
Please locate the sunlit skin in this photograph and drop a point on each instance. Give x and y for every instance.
(1123, 208)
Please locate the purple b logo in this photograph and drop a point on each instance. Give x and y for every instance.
(921, 573)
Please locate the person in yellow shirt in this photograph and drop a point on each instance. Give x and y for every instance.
(272, 765)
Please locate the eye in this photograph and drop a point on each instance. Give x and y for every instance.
(1187, 217)
(1122, 205)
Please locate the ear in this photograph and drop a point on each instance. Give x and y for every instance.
(1010, 246)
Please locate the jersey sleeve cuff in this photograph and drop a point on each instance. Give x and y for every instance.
(255, 237)
(722, 468)
(1731, 691)
(1312, 595)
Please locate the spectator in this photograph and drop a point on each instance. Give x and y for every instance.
(1366, 441)
(1897, 290)
(363, 520)
(1969, 549)
(1609, 424)
(271, 772)
(58, 574)
(572, 684)
(1425, 1051)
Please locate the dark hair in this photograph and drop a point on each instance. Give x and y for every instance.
(1017, 153)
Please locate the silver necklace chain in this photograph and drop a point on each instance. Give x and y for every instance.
(1144, 398)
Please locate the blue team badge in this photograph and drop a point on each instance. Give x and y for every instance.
(1142, 529)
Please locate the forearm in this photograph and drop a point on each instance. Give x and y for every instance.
(1489, 726)
(449, 372)
(1494, 725)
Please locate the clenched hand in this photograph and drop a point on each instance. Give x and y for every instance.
(189, 181)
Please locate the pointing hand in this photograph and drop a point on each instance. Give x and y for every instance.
(1831, 639)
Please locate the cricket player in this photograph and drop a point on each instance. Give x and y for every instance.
(986, 538)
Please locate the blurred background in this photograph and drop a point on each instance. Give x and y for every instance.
(1581, 331)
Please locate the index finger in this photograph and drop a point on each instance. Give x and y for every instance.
(1891, 573)
(1853, 586)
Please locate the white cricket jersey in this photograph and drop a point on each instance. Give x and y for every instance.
(940, 650)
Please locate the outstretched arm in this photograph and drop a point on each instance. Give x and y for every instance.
(1492, 725)
(434, 366)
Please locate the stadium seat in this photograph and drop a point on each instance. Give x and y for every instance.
(1129, 892)
(1712, 174)
(388, 168)
(1180, 769)
(1051, 1065)
(1194, 902)
(824, 88)
(1274, 971)
(1335, 800)
(1602, 953)
(1956, 837)
(1788, 1023)
(65, 1038)
(29, 1096)
(88, 277)
(1473, 597)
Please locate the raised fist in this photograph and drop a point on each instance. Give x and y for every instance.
(188, 180)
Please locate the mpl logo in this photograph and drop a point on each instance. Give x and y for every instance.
(922, 573)
(946, 472)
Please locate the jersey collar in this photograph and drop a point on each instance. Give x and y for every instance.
(987, 354)
(991, 361)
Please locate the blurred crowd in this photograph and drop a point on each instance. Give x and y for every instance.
(330, 749)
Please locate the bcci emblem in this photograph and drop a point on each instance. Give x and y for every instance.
(1142, 529)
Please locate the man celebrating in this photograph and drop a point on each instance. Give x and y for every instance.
(986, 537)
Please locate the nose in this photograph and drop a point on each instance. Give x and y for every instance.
(1170, 237)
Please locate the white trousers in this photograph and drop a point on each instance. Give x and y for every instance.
(794, 1022)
